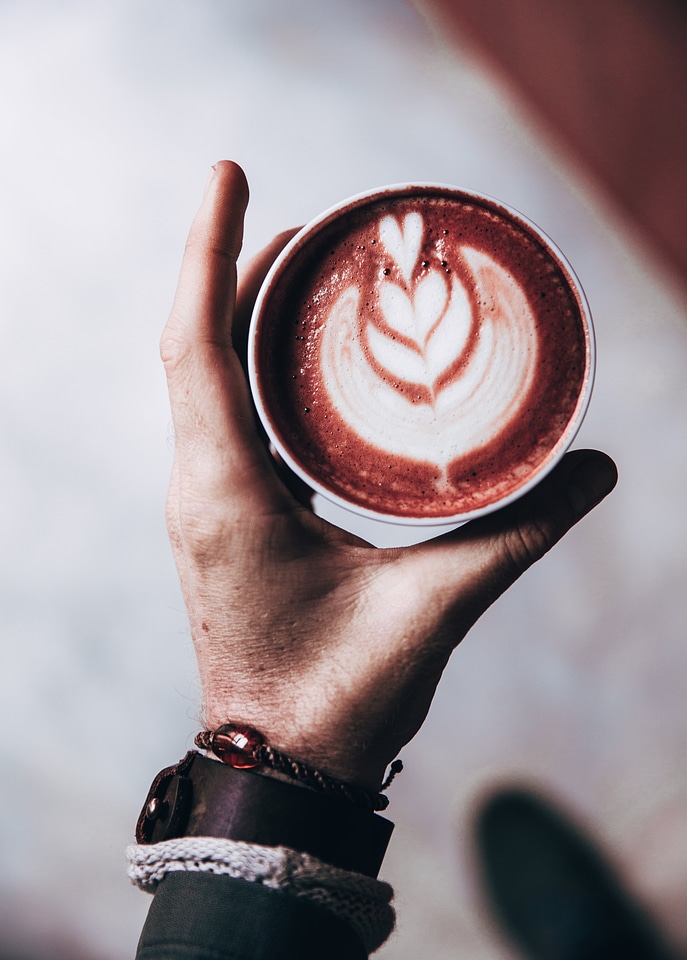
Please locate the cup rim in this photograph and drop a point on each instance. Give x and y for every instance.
(564, 441)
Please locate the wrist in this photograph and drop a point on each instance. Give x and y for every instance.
(337, 753)
(244, 748)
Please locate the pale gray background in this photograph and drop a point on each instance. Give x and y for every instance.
(110, 116)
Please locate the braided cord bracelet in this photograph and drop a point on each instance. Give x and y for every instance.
(244, 748)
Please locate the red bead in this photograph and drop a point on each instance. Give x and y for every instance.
(234, 744)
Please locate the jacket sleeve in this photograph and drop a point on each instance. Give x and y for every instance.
(201, 916)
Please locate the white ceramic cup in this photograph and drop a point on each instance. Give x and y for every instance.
(306, 239)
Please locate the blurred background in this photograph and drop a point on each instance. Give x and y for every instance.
(111, 113)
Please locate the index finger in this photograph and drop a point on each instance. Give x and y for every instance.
(217, 448)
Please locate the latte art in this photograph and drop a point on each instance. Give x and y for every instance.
(440, 369)
(421, 354)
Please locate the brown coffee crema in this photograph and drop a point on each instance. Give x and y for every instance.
(422, 356)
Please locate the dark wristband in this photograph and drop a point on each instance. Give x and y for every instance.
(199, 797)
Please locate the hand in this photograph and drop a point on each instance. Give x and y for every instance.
(330, 647)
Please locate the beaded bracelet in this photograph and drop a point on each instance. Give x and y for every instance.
(244, 748)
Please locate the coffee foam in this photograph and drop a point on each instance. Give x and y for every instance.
(466, 385)
(428, 362)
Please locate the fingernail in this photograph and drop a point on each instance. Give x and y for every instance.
(590, 482)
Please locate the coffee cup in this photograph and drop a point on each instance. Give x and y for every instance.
(421, 354)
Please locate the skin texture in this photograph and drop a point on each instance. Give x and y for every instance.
(329, 646)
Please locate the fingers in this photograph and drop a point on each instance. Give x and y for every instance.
(249, 285)
(479, 561)
(524, 532)
(216, 445)
(206, 291)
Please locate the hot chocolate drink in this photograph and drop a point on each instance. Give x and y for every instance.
(421, 354)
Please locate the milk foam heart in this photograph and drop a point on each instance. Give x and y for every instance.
(403, 243)
(421, 354)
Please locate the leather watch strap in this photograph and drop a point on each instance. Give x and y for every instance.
(199, 797)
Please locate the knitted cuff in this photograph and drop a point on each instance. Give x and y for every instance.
(363, 902)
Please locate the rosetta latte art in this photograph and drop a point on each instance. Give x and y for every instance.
(446, 361)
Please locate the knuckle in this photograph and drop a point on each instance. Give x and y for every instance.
(173, 525)
(174, 348)
(526, 543)
(225, 252)
(206, 533)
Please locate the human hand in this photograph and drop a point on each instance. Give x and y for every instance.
(330, 647)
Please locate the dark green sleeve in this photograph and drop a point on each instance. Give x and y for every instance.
(200, 916)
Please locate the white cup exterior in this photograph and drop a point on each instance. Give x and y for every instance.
(340, 210)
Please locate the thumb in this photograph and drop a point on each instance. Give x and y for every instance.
(523, 532)
(480, 560)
